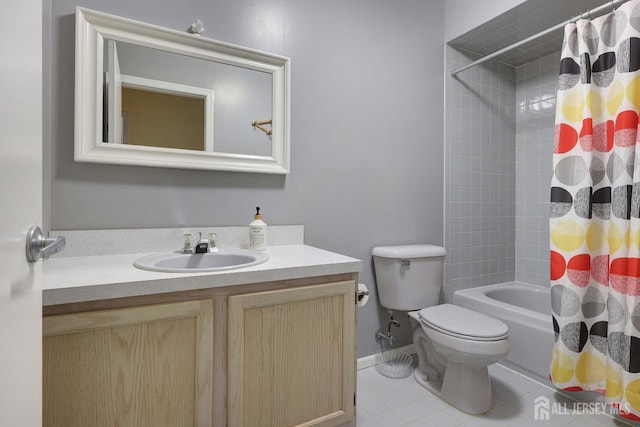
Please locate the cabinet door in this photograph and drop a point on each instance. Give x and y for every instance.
(139, 366)
(291, 356)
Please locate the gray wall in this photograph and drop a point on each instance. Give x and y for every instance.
(366, 133)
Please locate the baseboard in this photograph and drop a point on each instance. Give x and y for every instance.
(369, 361)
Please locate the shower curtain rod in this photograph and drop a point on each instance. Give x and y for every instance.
(612, 4)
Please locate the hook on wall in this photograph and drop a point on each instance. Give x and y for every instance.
(197, 27)
(258, 124)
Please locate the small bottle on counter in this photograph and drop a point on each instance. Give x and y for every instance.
(257, 233)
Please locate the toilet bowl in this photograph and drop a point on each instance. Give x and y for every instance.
(455, 346)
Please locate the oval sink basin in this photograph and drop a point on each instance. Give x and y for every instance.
(196, 263)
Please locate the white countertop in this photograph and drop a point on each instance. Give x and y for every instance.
(89, 278)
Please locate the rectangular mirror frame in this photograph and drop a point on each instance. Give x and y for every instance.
(93, 27)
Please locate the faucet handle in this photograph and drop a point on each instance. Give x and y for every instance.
(212, 242)
(186, 246)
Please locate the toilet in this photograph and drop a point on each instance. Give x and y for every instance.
(455, 345)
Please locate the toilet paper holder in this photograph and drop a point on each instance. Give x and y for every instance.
(361, 294)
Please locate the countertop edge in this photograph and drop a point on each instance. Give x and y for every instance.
(155, 283)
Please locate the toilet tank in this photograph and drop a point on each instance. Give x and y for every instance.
(408, 277)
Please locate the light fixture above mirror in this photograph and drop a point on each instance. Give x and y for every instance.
(206, 96)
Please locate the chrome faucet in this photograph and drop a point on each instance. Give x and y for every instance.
(202, 247)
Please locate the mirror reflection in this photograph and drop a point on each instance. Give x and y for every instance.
(152, 96)
(158, 98)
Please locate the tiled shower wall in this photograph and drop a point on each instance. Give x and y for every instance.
(479, 175)
(536, 84)
(499, 143)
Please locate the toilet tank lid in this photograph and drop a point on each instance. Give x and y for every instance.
(409, 251)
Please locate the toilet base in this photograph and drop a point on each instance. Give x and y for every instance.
(463, 387)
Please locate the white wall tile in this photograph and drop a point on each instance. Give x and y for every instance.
(498, 162)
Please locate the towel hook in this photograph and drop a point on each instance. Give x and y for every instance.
(258, 124)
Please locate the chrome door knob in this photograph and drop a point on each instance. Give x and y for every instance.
(39, 246)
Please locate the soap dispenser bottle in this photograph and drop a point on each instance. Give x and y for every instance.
(257, 233)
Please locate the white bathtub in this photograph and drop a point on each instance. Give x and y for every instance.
(526, 310)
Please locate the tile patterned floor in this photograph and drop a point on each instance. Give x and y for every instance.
(384, 402)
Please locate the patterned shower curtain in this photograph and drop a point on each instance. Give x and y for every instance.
(595, 210)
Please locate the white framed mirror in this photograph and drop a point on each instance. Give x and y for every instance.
(152, 96)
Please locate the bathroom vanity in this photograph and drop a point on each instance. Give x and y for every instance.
(270, 345)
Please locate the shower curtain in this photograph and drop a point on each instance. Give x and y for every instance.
(595, 210)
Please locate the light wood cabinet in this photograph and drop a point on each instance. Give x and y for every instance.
(291, 356)
(136, 366)
(264, 354)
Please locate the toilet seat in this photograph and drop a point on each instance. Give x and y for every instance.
(462, 323)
